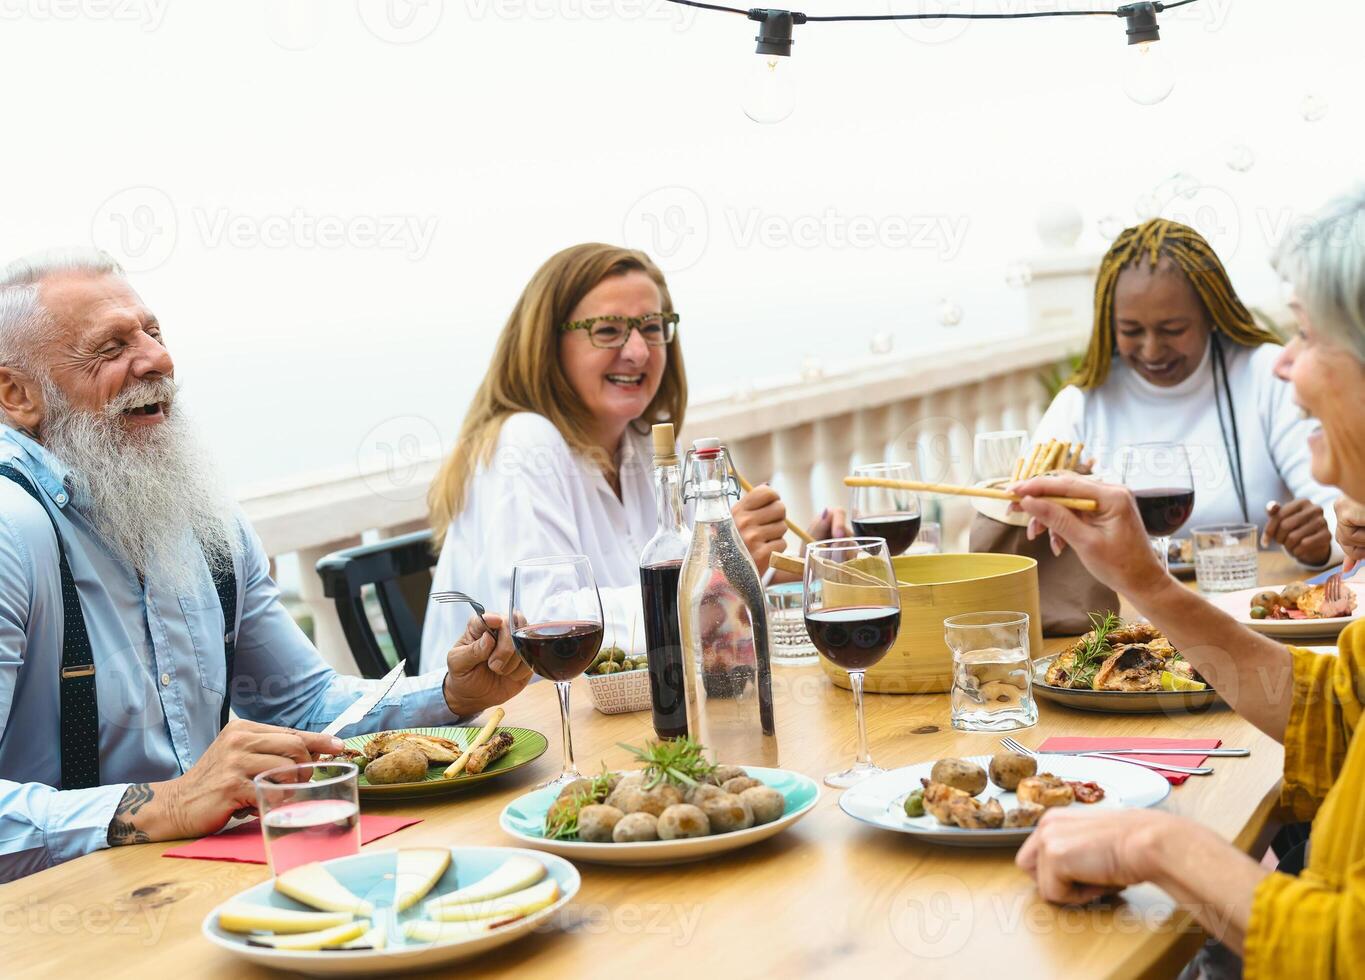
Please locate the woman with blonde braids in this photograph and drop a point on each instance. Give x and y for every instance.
(1176, 357)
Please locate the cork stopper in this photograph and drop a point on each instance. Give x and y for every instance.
(665, 446)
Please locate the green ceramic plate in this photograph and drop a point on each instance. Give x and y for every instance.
(527, 747)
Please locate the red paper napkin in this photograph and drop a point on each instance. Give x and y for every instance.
(1073, 743)
(245, 843)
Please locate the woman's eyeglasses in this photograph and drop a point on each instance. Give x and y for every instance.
(610, 332)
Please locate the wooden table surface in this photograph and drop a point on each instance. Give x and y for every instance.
(829, 896)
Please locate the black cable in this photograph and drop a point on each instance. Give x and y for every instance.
(805, 18)
(712, 6)
(1233, 449)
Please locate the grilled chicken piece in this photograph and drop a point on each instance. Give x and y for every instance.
(1130, 633)
(1059, 671)
(436, 749)
(1130, 668)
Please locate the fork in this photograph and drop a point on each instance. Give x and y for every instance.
(1019, 747)
(1332, 589)
(470, 601)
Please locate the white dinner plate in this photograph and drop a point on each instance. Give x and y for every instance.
(880, 801)
(1238, 606)
(370, 875)
(524, 819)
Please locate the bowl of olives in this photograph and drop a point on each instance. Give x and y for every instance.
(618, 682)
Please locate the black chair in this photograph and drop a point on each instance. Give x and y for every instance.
(399, 569)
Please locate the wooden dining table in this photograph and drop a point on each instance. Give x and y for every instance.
(827, 897)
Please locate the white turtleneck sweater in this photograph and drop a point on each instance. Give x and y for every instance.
(1128, 409)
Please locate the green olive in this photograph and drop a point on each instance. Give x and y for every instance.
(914, 804)
(610, 667)
(1258, 612)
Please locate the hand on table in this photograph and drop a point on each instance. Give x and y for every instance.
(1077, 855)
(1301, 527)
(216, 787)
(1350, 531)
(482, 672)
(1110, 540)
(760, 516)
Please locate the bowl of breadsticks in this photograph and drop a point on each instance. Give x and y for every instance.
(1050, 458)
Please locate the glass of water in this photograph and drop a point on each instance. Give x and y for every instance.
(995, 453)
(1225, 557)
(992, 671)
(309, 812)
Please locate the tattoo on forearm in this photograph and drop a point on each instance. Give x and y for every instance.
(121, 829)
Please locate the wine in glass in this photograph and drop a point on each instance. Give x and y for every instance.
(556, 620)
(853, 612)
(882, 512)
(1159, 475)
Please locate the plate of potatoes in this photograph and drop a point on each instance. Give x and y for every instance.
(638, 824)
(995, 801)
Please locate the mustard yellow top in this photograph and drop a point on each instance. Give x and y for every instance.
(1314, 925)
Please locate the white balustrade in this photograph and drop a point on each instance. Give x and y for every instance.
(803, 438)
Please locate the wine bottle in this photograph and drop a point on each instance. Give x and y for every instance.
(660, 568)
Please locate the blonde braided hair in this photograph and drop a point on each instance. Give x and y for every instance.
(1193, 256)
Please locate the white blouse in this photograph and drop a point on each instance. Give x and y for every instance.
(536, 497)
(1272, 431)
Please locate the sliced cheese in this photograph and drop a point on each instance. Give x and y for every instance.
(334, 936)
(426, 931)
(418, 870)
(520, 903)
(376, 938)
(312, 884)
(249, 917)
(513, 875)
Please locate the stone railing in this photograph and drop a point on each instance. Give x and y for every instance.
(801, 437)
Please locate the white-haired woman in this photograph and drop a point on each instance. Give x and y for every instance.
(1307, 926)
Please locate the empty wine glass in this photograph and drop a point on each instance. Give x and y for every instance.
(853, 612)
(995, 453)
(556, 620)
(884, 512)
(1159, 475)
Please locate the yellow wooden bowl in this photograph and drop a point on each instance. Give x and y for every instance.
(933, 588)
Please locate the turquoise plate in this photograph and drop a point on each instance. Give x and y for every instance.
(370, 875)
(524, 819)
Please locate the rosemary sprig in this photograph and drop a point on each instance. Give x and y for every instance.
(562, 822)
(678, 760)
(1093, 651)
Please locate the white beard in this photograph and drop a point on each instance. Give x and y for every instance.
(151, 494)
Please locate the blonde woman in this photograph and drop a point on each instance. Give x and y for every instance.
(553, 456)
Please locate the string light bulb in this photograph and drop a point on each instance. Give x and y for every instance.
(770, 90)
(1148, 75)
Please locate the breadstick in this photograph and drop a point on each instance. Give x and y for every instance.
(1054, 457)
(1018, 468)
(1042, 459)
(484, 735)
(1027, 470)
(1076, 456)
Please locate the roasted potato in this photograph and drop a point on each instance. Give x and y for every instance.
(597, 823)
(405, 765)
(766, 803)
(1007, 768)
(727, 813)
(697, 795)
(739, 784)
(683, 820)
(636, 827)
(724, 774)
(959, 774)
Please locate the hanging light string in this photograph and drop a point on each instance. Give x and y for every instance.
(800, 18)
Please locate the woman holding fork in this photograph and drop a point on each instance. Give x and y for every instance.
(1312, 925)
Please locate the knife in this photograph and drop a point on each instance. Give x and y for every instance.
(363, 706)
(1211, 752)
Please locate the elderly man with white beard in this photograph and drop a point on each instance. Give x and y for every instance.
(120, 564)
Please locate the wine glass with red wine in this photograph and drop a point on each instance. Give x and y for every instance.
(881, 512)
(556, 620)
(1159, 475)
(853, 612)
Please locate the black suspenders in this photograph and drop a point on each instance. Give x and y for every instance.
(80, 727)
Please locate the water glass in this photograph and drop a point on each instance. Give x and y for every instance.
(1225, 557)
(995, 453)
(790, 643)
(309, 812)
(992, 671)
(929, 541)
